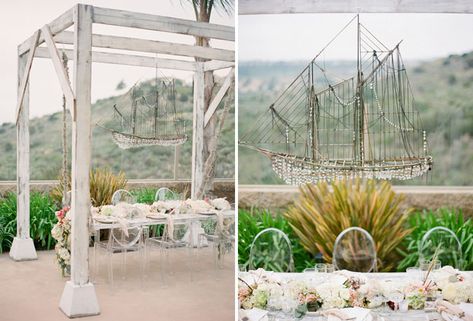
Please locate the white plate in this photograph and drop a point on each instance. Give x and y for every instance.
(105, 219)
(157, 216)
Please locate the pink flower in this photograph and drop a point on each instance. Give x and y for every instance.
(311, 298)
(60, 215)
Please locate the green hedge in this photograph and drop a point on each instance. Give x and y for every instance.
(42, 220)
(421, 222)
(253, 221)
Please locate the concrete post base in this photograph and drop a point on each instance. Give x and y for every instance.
(79, 301)
(23, 249)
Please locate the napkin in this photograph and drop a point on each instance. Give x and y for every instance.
(253, 315)
(354, 314)
(449, 311)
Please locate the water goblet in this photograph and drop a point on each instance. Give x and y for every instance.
(414, 273)
(330, 268)
(321, 268)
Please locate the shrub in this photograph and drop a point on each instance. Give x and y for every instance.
(103, 183)
(320, 215)
(252, 222)
(144, 195)
(421, 222)
(42, 211)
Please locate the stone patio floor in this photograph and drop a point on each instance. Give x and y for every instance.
(31, 290)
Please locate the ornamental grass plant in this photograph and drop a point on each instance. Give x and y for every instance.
(103, 183)
(322, 212)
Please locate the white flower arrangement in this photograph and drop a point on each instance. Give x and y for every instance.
(340, 290)
(220, 204)
(61, 232)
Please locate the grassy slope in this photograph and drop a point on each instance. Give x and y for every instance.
(144, 162)
(443, 90)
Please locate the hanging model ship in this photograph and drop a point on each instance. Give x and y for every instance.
(362, 126)
(148, 120)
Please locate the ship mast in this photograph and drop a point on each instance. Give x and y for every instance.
(360, 146)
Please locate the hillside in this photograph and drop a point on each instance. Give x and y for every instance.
(443, 90)
(144, 162)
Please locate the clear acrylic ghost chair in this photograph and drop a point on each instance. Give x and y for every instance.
(123, 240)
(354, 250)
(272, 251)
(447, 245)
(122, 195)
(173, 246)
(220, 237)
(164, 194)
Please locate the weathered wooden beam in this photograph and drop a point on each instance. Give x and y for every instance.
(177, 152)
(23, 247)
(79, 297)
(61, 72)
(81, 145)
(159, 23)
(216, 65)
(218, 97)
(58, 25)
(128, 60)
(198, 132)
(152, 46)
(26, 73)
(23, 157)
(247, 7)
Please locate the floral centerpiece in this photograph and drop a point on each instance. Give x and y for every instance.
(61, 232)
(342, 289)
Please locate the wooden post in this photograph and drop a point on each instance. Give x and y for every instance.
(23, 247)
(198, 132)
(177, 150)
(79, 298)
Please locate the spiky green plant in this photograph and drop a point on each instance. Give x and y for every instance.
(321, 214)
(103, 183)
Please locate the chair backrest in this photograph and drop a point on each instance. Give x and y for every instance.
(354, 250)
(164, 194)
(447, 243)
(126, 238)
(122, 195)
(272, 251)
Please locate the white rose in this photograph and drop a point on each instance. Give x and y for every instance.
(56, 232)
(64, 254)
(106, 210)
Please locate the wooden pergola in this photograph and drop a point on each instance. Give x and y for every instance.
(79, 298)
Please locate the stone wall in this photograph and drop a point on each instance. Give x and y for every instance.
(221, 187)
(419, 197)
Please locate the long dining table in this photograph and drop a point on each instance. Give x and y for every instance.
(194, 220)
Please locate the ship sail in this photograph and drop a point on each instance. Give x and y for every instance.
(362, 126)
